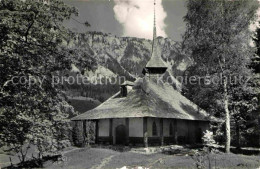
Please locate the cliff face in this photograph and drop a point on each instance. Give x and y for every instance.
(126, 56)
(118, 57)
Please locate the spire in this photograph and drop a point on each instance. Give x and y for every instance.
(155, 65)
(154, 26)
(154, 22)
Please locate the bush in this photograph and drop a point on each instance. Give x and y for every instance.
(78, 135)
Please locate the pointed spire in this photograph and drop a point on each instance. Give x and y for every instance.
(155, 65)
(154, 23)
(154, 27)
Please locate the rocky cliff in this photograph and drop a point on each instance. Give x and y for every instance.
(121, 57)
(126, 56)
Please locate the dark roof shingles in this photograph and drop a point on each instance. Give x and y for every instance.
(148, 99)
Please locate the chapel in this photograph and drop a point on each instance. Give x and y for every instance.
(148, 111)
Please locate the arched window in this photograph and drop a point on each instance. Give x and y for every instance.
(123, 91)
(154, 129)
(171, 129)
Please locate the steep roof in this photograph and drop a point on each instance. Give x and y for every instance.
(148, 98)
(156, 60)
(127, 83)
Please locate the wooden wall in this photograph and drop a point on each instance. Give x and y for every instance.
(184, 131)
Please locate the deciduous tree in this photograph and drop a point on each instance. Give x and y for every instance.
(33, 108)
(218, 39)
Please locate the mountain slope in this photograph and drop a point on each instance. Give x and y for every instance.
(126, 56)
(118, 57)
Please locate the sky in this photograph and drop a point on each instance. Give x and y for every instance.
(132, 18)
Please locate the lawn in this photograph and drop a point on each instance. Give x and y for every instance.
(81, 158)
(106, 158)
(103, 157)
(5, 157)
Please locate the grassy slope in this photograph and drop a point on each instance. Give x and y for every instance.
(83, 105)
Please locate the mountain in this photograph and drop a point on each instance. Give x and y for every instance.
(128, 55)
(125, 57)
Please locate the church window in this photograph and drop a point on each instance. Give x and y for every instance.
(154, 129)
(171, 129)
(123, 91)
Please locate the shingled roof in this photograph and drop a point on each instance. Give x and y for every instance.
(127, 83)
(148, 98)
(156, 60)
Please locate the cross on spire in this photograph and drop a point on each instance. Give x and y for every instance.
(155, 65)
(154, 24)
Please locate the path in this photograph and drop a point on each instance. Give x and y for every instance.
(103, 163)
(68, 151)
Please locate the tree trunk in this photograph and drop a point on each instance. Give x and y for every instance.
(210, 167)
(145, 134)
(228, 139)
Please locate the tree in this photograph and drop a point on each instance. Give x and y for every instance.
(33, 108)
(78, 136)
(256, 67)
(217, 38)
(83, 133)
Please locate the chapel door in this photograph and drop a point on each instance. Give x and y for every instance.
(198, 135)
(121, 134)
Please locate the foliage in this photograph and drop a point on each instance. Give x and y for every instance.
(206, 158)
(208, 139)
(77, 134)
(83, 133)
(208, 153)
(256, 83)
(217, 38)
(90, 132)
(32, 51)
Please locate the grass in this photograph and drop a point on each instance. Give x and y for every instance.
(107, 158)
(83, 105)
(101, 157)
(5, 157)
(82, 158)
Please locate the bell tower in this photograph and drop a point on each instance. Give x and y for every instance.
(155, 65)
